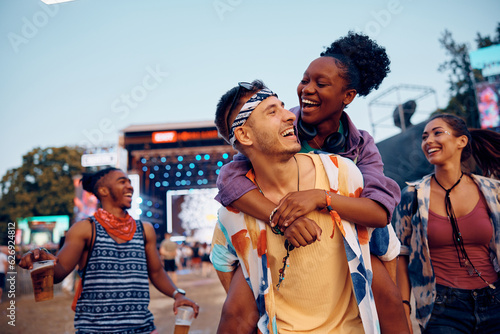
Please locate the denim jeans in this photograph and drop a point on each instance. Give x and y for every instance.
(465, 311)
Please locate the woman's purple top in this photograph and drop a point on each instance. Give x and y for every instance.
(360, 148)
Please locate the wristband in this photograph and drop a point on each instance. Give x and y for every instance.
(328, 201)
(407, 303)
(275, 229)
(272, 215)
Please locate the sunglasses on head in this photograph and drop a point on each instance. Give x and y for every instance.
(245, 85)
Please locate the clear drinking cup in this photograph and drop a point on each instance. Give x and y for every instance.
(183, 319)
(42, 277)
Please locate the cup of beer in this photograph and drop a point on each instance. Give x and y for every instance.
(183, 319)
(42, 277)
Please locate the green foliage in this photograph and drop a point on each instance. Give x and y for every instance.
(483, 42)
(461, 78)
(43, 185)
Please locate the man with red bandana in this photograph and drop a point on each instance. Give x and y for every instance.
(117, 257)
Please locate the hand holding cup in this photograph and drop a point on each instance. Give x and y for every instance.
(34, 255)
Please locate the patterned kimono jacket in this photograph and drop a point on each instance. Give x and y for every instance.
(411, 221)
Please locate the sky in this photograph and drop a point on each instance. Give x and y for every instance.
(78, 73)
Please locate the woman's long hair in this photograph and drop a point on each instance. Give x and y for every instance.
(482, 153)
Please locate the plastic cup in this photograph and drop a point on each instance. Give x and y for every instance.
(42, 277)
(183, 319)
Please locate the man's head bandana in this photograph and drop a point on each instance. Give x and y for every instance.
(247, 109)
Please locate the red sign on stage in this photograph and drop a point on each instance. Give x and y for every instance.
(174, 136)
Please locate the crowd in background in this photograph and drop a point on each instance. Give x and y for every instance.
(193, 256)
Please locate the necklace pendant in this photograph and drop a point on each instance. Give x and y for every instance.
(467, 265)
(280, 279)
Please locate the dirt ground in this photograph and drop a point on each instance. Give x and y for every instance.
(56, 317)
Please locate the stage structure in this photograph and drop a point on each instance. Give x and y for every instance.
(174, 158)
(393, 108)
(398, 118)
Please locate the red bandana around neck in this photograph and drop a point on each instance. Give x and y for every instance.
(123, 228)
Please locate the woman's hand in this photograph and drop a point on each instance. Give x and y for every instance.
(297, 204)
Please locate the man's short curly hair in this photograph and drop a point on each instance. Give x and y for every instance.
(364, 63)
(91, 181)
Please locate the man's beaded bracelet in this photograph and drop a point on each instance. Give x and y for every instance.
(275, 229)
(272, 215)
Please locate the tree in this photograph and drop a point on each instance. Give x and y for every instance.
(43, 185)
(462, 78)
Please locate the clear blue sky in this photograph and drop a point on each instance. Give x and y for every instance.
(81, 71)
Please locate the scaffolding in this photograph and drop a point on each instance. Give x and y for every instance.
(395, 97)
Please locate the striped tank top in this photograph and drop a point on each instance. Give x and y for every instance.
(115, 295)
